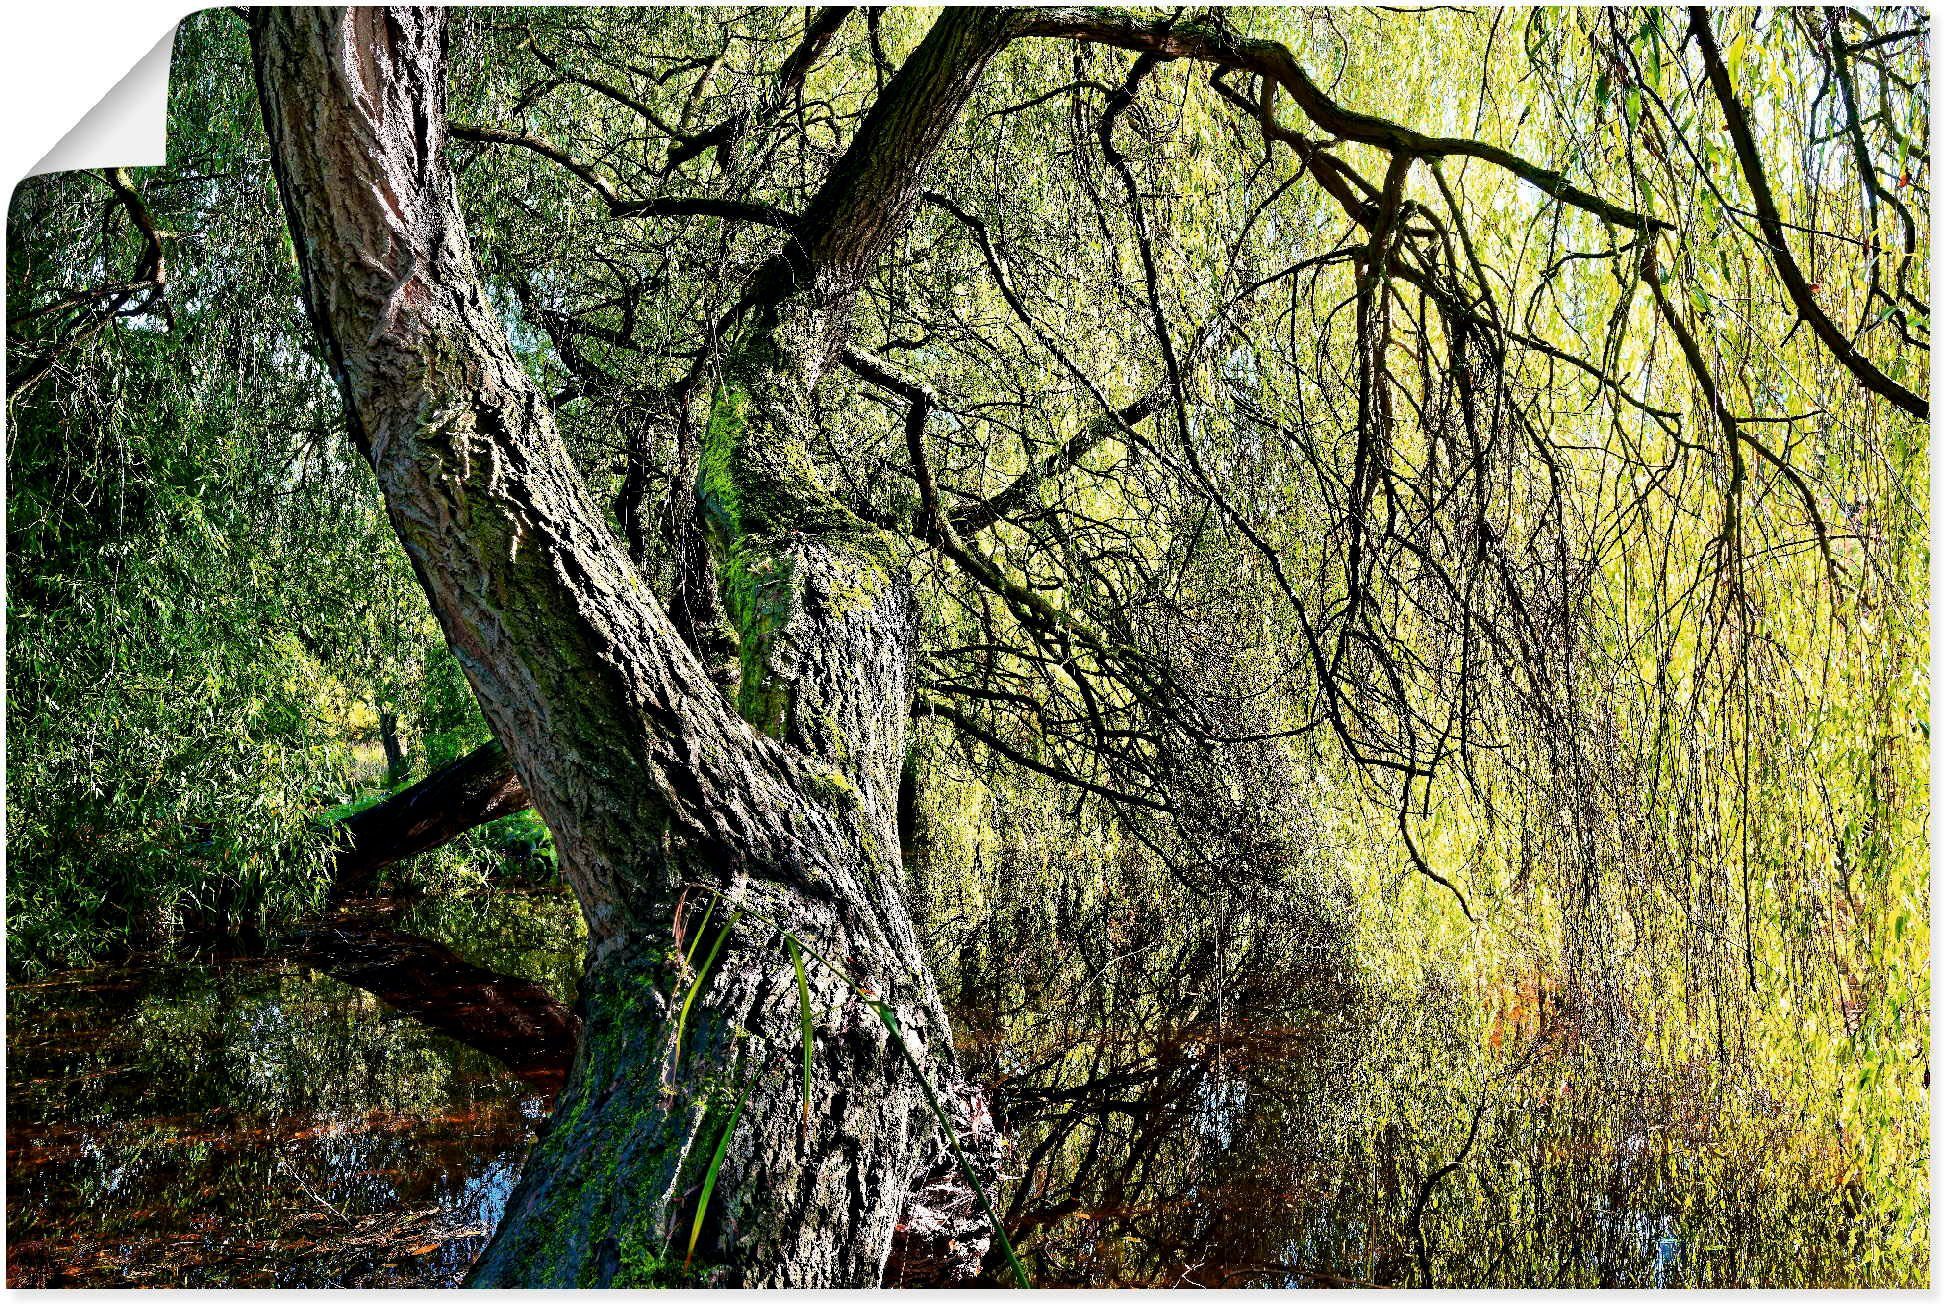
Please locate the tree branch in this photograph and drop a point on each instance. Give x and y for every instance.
(661, 206)
(150, 274)
(1786, 267)
(475, 789)
(722, 137)
(1210, 40)
(972, 729)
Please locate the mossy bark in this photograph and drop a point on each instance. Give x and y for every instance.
(661, 793)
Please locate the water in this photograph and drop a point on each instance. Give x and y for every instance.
(254, 1120)
(1263, 1105)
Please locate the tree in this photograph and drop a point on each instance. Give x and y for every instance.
(649, 781)
(1139, 482)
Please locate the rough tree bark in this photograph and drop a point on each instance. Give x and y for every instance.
(657, 790)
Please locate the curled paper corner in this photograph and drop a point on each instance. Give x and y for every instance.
(127, 127)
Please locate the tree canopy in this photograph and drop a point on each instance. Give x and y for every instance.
(1461, 472)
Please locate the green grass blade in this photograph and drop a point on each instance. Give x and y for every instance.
(688, 960)
(701, 977)
(715, 1166)
(809, 1031)
(890, 1018)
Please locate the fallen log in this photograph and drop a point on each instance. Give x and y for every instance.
(475, 789)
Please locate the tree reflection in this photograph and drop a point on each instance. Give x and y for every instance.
(1237, 1104)
(251, 1121)
(1249, 1109)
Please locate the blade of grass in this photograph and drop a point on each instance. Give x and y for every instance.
(688, 957)
(701, 977)
(890, 1018)
(715, 1166)
(809, 1031)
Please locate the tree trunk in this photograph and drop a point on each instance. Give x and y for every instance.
(460, 795)
(394, 749)
(657, 791)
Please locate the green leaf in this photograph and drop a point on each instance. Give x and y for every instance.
(701, 977)
(809, 1032)
(715, 1165)
(689, 958)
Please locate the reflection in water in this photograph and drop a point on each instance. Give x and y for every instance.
(1227, 1108)
(250, 1121)
(1247, 1115)
(516, 1021)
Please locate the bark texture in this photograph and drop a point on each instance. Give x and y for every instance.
(659, 793)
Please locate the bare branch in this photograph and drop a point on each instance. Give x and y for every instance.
(1786, 267)
(661, 206)
(1209, 40)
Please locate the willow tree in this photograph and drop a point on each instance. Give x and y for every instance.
(1365, 419)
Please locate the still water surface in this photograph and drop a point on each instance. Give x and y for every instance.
(253, 1120)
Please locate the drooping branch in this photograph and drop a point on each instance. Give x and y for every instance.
(1109, 422)
(1735, 431)
(1211, 40)
(1867, 373)
(1874, 191)
(938, 528)
(1022, 492)
(86, 313)
(965, 724)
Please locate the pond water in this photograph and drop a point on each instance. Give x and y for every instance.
(251, 1120)
(259, 1120)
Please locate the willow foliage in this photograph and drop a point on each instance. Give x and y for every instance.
(1518, 560)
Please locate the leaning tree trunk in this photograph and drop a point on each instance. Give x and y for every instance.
(687, 828)
(460, 795)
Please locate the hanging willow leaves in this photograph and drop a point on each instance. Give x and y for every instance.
(1415, 502)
